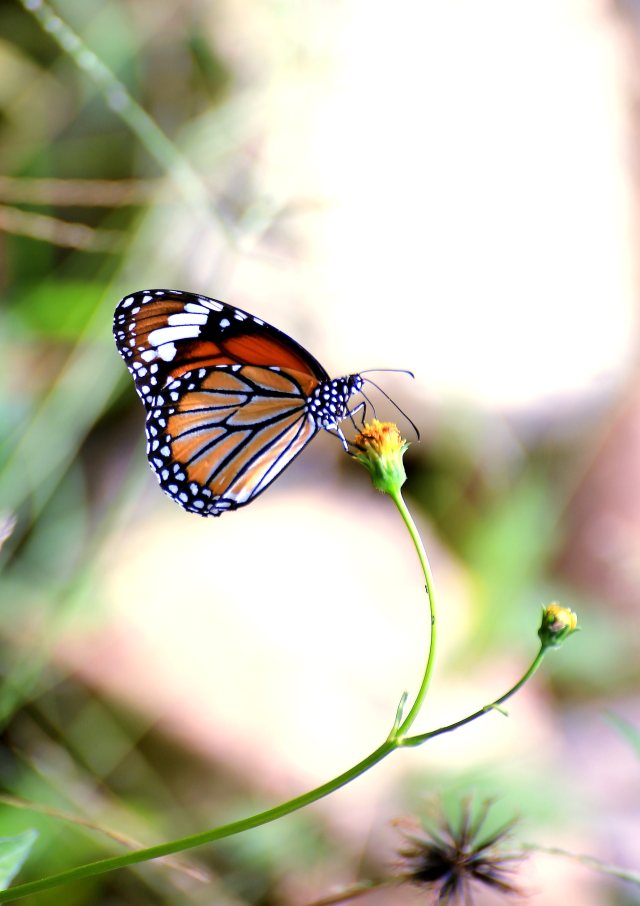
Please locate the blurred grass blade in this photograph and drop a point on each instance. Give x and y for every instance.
(59, 232)
(13, 854)
(120, 101)
(49, 443)
(627, 730)
(194, 871)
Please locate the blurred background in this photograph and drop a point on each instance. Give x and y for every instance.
(449, 188)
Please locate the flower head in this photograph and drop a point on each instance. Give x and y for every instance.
(557, 623)
(452, 858)
(380, 450)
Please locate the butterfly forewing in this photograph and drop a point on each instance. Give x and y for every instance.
(163, 333)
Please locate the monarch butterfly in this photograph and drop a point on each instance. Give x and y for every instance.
(230, 400)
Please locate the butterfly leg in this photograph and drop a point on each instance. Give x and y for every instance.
(337, 432)
(361, 407)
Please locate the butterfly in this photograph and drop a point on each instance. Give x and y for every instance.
(230, 400)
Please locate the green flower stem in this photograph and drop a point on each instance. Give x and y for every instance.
(395, 740)
(217, 833)
(423, 737)
(406, 724)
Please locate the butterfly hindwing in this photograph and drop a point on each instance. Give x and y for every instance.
(218, 437)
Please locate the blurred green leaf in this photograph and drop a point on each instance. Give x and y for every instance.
(59, 309)
(13, 854)
(507, 549)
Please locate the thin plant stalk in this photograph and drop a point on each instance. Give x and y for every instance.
(395, 740)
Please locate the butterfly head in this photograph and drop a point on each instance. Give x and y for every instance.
(329, 402)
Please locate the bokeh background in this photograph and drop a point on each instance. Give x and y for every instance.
(446, 187)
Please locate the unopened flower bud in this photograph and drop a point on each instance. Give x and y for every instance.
(557, 623)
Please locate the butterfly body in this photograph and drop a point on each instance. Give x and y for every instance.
(230, 400)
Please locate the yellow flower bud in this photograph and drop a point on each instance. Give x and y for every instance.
(558, 622)
(380, 451)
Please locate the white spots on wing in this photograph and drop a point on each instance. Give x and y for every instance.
(258, 321)
(165, 451)
(213, 304)
(224, 322)
(195, 308)
(128, 302)
(148, 355)
(170, 334)
(239, 316)
(167, 352)
(186, 318)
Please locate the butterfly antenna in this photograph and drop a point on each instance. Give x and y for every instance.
(388, 371)
(392, 401)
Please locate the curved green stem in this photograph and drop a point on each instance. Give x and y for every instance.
(217, 833)
(423, 737)
(428, 578)
(396, 739)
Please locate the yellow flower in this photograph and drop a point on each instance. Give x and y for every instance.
(558, 622)
(380, 451)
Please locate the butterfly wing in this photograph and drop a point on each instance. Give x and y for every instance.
(163, 333)
(225, 395)
(219, 436)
